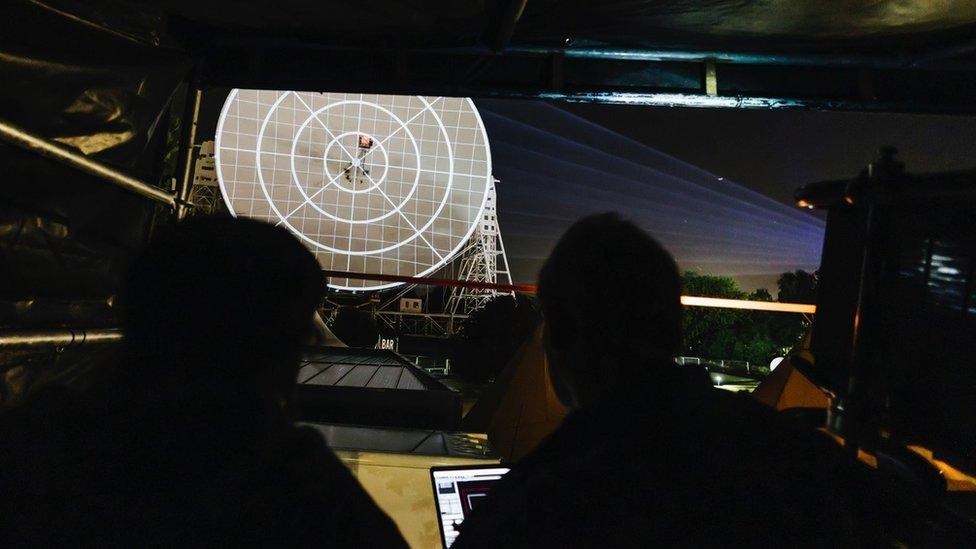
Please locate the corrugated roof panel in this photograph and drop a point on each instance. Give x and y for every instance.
(359, 376)
(409, 381)
(361, 368)
(331, 375)
(318, 357)
(308, 371)
(383, 359)
(386, 377)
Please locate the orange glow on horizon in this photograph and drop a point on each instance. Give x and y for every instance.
(687, 300)
(745, 304)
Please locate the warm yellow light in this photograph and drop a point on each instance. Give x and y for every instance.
(748, 305)
(956, 480)
(691, 301)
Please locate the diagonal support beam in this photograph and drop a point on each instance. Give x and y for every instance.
(20, 137)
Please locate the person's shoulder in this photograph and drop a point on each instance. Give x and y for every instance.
(546, 495)
(322, 496)
(304, 457)
(302, 439)
(745, 415)
(792, 456)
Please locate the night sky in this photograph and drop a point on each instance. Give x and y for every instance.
(714, 186)
(774, 152)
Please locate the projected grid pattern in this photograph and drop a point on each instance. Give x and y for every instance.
(370, 183)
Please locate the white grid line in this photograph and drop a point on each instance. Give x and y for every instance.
(431, 177)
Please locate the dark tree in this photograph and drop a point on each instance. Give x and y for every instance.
(797, 287)
(709, 332)
(754, 336)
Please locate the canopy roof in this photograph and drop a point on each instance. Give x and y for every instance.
(378, 369)
(906, 55)
(793, 25)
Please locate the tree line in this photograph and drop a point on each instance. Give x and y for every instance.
(492, 335)
(753, 336)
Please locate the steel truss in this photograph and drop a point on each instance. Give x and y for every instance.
(483, 260)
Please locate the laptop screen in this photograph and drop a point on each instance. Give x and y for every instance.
(459, 490)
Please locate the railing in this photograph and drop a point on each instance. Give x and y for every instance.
(724, 365)
(426, 324)
(57, 338)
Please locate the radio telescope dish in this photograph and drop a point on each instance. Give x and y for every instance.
(384, 184)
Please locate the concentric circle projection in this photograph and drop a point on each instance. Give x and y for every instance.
(384, 184)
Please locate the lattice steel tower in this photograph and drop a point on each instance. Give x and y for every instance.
(205, 195)
(483, 260)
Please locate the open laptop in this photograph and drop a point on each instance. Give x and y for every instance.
(458, 490)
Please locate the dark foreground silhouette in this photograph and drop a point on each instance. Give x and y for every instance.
(652, 454)
(189, 441)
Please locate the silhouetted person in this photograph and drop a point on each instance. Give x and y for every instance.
(651, 453)
(189, 441)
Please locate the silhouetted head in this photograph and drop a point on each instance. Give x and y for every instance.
(220, 303)
(611, 298)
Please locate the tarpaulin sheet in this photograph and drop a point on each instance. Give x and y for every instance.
(95, 81)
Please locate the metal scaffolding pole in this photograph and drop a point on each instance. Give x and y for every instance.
(184, 186)
(18, 339)
(19, 137)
